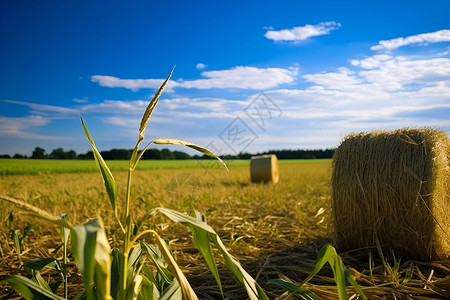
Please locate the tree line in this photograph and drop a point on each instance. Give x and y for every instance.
(166, 154)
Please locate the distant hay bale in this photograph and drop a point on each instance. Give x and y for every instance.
(394, 186)
(264, 168)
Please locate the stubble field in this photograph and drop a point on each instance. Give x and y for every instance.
(272, 230)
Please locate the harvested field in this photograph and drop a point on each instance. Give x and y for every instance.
(272, 230)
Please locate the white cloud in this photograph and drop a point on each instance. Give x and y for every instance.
(201, 66)
(116, 106)
(240, 77)
(423, 38)
(17, 127)
(131, 84)
(243, 77)
(44, 107)
(302, 33)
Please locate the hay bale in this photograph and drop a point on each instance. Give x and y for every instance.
(264, 168)
(393, 186)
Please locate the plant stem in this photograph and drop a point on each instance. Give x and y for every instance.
(126, 244)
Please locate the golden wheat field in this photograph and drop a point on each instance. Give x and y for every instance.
(272, 229)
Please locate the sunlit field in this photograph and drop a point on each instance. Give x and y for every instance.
(272, 229)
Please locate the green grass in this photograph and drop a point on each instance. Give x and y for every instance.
(11, 166)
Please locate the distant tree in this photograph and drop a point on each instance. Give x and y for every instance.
(152, 154)
(167, 154)
(17, 155)
(181, 155)
(116, 154)
(5, 156)
(38, 153)
(71, 154)
(58, 154)
(88, 155)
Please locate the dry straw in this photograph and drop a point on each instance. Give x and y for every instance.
(394, 187)
(264, 168)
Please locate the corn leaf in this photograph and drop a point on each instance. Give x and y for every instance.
(37, 277)
(201, 241)
(135, 287)
(253, 289)
(37, 212)
(294, 289)
(158, 261)
(108, 179)
(149, 289)
(92, 254)
(173, 292)
(39, 264)
(187, 291)
(190, 145)
(29, 289)
(328, 254)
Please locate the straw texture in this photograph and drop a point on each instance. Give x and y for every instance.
(264, 168)
(394, 187)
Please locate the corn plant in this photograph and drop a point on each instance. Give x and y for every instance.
(327, 254)
(121, 273)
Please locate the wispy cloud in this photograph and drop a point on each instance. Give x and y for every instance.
(131, 84)
(240, 77)
(301, 33)
(423, 38)
(36, 107)
(19, 127)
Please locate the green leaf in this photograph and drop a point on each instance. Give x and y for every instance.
(190, 145)
(201, 241)
(173, 292)
(328, 254)
(294, 289)
(29, 289)
(161, 266)
(135, 287)
(149, 290)
(254, 291)
(116, 257)
(37, 277)
(40, 263)
(187, 291)
(108, 179)
(92, 254)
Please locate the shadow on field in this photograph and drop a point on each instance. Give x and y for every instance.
(295, 263)
(412, 280)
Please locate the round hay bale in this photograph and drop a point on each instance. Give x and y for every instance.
(264, 168)
(394, 187)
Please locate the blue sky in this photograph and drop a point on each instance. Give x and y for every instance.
(249, 76)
